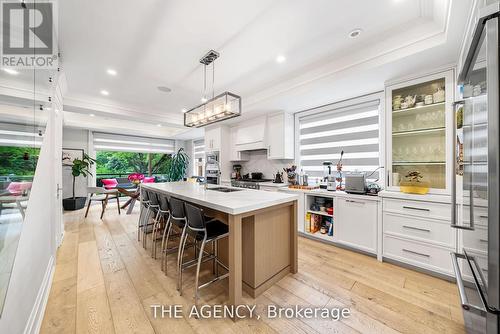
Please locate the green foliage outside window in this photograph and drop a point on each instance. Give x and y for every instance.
(130, 162)
(18, 161)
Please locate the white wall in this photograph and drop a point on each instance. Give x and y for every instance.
(34, 264)
(78, 139)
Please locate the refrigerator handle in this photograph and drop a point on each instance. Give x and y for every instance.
(454, 223)
(484, 300)
(464, 301)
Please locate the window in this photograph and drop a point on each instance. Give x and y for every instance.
(198, 157)
(351, 126)
(120, 155)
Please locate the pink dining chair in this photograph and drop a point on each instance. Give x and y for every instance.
(149, 179)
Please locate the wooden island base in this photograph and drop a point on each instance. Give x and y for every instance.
(261, 250)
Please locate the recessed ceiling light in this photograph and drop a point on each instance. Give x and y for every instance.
(280, 59)
(184, 110)
(158, 125)
(164, 89)
(112, 72)
(92, 115)
(48, 108)
(104, 92)
(355, 33)
(204, 99)
(11, 71)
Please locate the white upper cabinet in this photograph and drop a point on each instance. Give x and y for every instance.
(213, 139)
(280, 136)
(418, 131)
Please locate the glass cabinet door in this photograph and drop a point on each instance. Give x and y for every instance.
(418, 132)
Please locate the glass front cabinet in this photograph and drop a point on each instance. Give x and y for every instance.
(419, 120)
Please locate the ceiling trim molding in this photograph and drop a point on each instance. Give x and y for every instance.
(86, 107)
(423, 42)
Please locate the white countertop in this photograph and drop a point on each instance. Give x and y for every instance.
(324, 192)
(233, 203)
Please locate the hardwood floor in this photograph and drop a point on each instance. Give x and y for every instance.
(105, 282)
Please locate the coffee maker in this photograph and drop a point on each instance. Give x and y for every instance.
(236, 174)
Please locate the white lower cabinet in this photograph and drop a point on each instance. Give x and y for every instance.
(419, 233)
(418, 253)
(355, 223)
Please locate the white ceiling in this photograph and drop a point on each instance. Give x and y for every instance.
(153, 43)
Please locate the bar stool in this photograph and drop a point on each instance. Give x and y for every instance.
(176, 218)
(161, 218)
(198, 228)
(153, 211)
(143, 213)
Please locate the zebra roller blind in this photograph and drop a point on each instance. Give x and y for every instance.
(124, 143)
(353, 128)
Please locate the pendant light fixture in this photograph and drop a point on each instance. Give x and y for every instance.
(213, 108)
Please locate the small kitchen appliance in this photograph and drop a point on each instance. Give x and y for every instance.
(330, 183)
(236, 174)
(355, 183)
(278, 178)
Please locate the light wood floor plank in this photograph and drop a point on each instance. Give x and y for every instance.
(106, 282)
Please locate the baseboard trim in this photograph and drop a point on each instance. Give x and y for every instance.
(36, 317)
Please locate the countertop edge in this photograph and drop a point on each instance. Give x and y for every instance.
(213, 206)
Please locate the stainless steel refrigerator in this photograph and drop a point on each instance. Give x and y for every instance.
(476, 185)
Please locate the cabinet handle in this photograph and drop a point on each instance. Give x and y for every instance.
(483, 240)
(351, 201)
(416, 228)
(483, 216)
(416, 253)
(414, 208)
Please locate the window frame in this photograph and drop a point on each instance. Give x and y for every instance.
(351, 102)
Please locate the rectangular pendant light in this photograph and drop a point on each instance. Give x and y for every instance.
(219, 108)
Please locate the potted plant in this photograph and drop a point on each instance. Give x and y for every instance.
(79, 167)
(414, 184)
(136, 178)
(177, 166)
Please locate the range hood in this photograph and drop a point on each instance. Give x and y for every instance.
(250, 137)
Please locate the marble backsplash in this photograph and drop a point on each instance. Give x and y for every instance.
(258, 162)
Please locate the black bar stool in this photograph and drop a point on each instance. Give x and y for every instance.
(198, 228)
(153, 211)
(160, 220)
(176, 219)
(143, 213)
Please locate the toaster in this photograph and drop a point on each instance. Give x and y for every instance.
(355, 183)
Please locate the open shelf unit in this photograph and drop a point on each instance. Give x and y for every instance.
(317, 220)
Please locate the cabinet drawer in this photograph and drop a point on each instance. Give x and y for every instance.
(480, 215)
(418, 254)
(419, 209)
(425, 229)
(477, 239)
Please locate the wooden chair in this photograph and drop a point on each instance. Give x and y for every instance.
(99, 194)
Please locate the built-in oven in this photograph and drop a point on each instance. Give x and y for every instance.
(212, 168)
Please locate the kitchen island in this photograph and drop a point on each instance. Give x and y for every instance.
(262, 245)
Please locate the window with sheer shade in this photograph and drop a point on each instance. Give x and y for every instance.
(199, 156)
(126, 143)
(353, 128)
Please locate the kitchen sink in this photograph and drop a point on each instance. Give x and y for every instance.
(224, 189)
